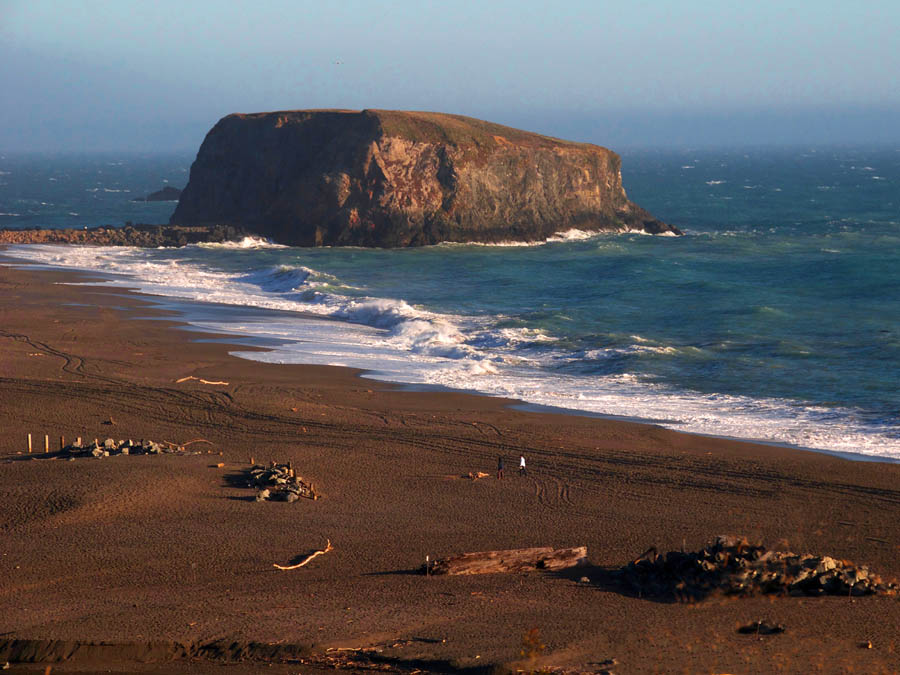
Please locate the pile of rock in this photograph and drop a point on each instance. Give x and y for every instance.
(112, 447)
(148, 236)
(733, 566)
(279, 483)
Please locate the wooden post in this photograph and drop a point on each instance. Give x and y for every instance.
(62, 442)
(46, 443)
(252, 461)
(29, 444)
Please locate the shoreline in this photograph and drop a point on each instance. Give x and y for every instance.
(256, 343)
(84, 538)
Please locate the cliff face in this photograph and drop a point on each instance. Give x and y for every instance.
(384, 178)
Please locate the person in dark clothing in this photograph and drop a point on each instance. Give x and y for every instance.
(499, 468)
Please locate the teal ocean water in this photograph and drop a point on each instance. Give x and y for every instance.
(777, 316)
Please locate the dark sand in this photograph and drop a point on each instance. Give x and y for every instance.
(141, 548)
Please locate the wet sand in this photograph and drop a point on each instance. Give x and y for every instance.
(172, 548)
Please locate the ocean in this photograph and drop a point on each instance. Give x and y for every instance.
(775, 318)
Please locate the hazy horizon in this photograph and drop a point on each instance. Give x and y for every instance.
(137, 77)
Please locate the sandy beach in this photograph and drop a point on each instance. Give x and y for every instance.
(174, 549)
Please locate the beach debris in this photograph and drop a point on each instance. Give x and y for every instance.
(761, 628)
(190, 442)
(314, 554)
(278, 483)
(733, 566)
(513, 560)
(201, 380)
(111, 447)
(532, 647)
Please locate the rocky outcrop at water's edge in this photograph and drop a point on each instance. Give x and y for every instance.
(147, 236)
(390, 179)
(167, 194)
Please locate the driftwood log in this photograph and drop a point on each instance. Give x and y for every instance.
(513, 560)
(328, 547)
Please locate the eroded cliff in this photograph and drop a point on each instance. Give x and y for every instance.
(387, 178)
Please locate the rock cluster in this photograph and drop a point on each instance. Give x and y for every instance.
(734, 567)
(279, 483)
(112, 447)
(146, 236)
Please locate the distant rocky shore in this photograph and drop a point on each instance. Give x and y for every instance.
(167, 194)
(145, 236)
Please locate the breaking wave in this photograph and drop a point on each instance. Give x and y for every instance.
(325, 321)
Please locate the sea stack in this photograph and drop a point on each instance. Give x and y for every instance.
(393, 178)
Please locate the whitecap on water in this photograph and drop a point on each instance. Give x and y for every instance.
(405, 343)
(245, 243)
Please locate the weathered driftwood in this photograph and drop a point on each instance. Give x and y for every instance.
(200, 380)
(514, 560)
(328, 547)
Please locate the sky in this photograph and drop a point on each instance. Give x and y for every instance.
(155, 75)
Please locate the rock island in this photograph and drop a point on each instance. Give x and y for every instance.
(393, 178)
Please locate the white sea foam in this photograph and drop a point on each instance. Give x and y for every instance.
(399, 342)
(245, 243)
(500, 244)
(572, 235)
(716, 182)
